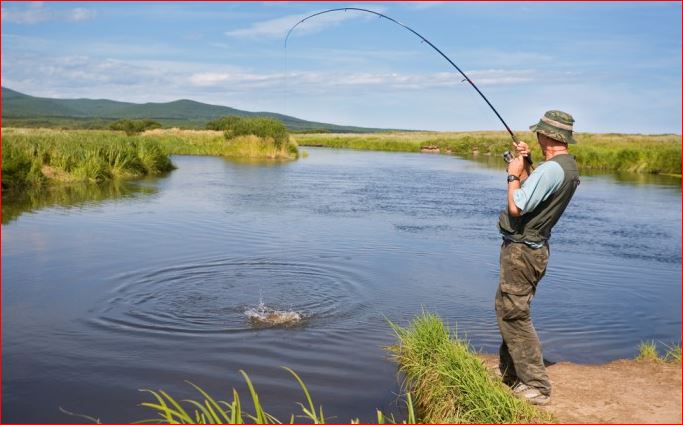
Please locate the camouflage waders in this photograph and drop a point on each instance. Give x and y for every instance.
(521, 357)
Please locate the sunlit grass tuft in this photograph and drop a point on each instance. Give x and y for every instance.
(647, 351)
(210, 410)
(209, 142)
(673, 353)
(449, 383)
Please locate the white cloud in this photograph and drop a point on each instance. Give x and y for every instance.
(37, 12)
(337, 96)
(80, 14)
(236, 81)
(33, 13)
(422, 5)
(278, 27)
(146, 80)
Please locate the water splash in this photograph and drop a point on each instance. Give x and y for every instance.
(264, 316)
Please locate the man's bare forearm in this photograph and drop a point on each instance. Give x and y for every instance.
(512, 207)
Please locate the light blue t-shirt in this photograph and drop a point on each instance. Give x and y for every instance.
(542, 183)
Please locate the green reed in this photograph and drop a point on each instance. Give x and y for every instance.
(215, 143)
(210, 410)
(449, 383)
(647, 351)
(656, 154)
(32, 158)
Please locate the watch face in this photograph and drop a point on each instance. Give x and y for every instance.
(512, 178)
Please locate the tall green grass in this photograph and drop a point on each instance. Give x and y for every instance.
(131, 127)
(656, 154)
(647, 351)
(215, 143)
(210, 410)
(32, 158)
(264, 128)
(449, 383)
(35, 157)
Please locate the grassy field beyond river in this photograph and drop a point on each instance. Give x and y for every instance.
(655, 154)
(35, 157)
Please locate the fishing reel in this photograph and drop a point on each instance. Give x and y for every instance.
(509, 156)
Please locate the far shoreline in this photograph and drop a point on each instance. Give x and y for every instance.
(605, 152)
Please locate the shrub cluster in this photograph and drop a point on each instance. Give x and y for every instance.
(132, 127)
(234, 126)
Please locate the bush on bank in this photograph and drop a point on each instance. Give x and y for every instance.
(32, 158)
(264, 128)
(131, 127)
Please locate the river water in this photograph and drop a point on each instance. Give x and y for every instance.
(145, 284)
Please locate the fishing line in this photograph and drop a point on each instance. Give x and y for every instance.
(515, 140)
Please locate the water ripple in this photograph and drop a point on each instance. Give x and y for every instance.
(211, 298)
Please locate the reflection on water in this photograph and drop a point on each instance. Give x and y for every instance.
(76, 195)
(662, 180)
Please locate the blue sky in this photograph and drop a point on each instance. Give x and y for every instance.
(615, 66)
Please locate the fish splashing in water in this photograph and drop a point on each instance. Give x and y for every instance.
(265, 316)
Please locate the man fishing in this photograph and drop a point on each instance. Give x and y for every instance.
(535, 202)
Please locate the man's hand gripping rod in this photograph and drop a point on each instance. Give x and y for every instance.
(509, 156)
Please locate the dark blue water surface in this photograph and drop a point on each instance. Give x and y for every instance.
(147, 285)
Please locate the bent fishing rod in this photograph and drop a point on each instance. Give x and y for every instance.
(515, 140)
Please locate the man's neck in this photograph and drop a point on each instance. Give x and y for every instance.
(553, 151)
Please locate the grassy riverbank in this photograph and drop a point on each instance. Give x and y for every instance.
(210, 142)
(450, 383)
(238, 411)
(647, 351)
(33, 158)
(656, 154)
(445, 382)
(36, 157)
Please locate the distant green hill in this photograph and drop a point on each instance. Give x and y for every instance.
(21, 110)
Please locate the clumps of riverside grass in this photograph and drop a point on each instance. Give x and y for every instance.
(234, 126)
(232, 137)
(208, 142)
(653, 154)
(32, 158)
(647, 351)
(263, 131)
(449, 383)
(210, 410)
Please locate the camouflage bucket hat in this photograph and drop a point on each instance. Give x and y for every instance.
(557, 125)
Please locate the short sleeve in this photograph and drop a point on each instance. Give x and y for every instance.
(542, 183)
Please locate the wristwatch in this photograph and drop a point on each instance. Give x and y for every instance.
(512, 178)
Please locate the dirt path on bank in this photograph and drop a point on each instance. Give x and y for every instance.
(624, 391)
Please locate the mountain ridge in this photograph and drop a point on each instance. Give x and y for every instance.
(20, 109)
